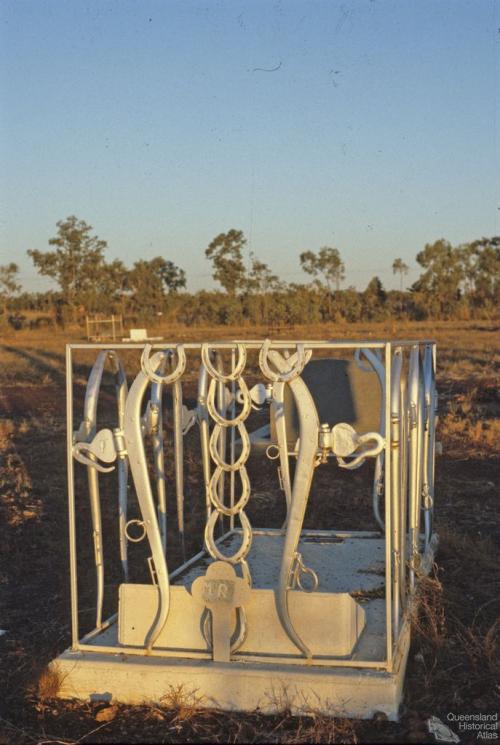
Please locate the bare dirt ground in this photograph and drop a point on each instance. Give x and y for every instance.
(454, 662)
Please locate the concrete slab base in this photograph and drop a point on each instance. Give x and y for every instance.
(241, 686)
(112, 664)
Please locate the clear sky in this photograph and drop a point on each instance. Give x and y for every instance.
(368, 125)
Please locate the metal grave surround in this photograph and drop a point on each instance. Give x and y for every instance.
(174, 449)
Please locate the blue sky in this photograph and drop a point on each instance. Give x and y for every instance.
(368, 125)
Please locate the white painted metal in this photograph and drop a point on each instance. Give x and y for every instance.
(297, 622)
(83, 440)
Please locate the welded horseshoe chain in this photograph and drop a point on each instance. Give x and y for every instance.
(221, 466)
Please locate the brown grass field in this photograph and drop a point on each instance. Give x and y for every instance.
(454, 660)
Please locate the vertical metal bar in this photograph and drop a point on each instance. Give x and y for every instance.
(388, 508)
(403, 455)
(221, 444)
(395, 429)
(71, 499)
(113, 327)
(233, 440)
(434, 411)
(413, 485)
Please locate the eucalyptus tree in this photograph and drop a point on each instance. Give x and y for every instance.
(226, 254)
(150, 281)
(9, 285)
(328, 269)
(440, 285)
(262, 283)
(76, 263)
(399, 267)
(481, 260)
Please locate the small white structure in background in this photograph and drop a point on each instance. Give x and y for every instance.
(315, 620)
(137, 335)
(100, 327)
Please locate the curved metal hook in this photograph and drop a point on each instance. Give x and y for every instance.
(138, 464)
(300, 569)
(308, 443)
(372, 357)
(367, 453)
(85, 434)
(102, 446)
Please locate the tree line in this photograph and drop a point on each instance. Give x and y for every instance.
(456, 281)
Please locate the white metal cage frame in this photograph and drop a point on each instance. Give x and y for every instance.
(403, 447)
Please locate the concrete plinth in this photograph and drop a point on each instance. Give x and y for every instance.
(266, 673)
(241, 686)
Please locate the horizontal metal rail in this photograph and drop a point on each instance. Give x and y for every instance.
(251, 344)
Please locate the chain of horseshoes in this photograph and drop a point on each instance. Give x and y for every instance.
(221, 466)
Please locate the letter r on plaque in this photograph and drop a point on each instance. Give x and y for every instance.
(221, 591)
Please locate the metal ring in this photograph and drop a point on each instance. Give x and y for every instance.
(245, 543)
(307, 570)
(245, 411)
(214, 497)
(234, 374)
(268, 452)
(173, 376)
(245, 451)
(135, 522)
(293, 373)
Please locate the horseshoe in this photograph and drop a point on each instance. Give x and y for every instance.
(214, 373)
(245, 452)
(236, 640)
(214, 497)
(245, 543)
(245, 411)
(302, 358)
(152, 375)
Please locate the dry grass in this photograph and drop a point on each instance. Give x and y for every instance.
(49, 684)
